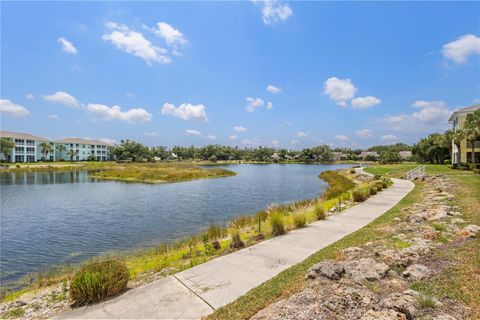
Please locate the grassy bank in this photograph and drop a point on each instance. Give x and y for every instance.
(460, 282)
(172, 257)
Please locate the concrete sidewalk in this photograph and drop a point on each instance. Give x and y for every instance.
(198, 291)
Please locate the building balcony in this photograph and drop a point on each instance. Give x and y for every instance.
(477, 145)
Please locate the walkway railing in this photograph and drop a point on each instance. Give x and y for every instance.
(415, 173)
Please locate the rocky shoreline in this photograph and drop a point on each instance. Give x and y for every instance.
(375, 281)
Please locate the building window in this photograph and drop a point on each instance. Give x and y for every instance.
(30, 158)
(19, 141)
(19, 149)
(19, 158)
(30, 142)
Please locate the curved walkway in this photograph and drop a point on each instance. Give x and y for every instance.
(198, 291)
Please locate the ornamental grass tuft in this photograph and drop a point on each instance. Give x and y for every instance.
(277, 223)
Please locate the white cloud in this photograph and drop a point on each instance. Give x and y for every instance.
(13, 109)
(108, 141)
(339, 90)
(185, 111)
(269, 106)
(275, 143)
(116, 113)
(232, 137)
(294, 142)
(135, 43)
(64, 98)
(341, 137)
(173, 37)
(240, 128)
(211, 137)
(67, 46)
(365, 102)
(431, 112)
(364, 133)
(53, 117)
(273, 11)
(272, 89)
(461, 49)
(151, 134)
(389, 138)
(301, 134)
(30, 96)
(191, 132)
(253, 103)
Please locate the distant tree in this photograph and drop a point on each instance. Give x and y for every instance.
(61, 148)
(432, 148)
(390, 157)
(132, 150)
(6, 146)
(71, 153)
(45, 149)
(472, 130)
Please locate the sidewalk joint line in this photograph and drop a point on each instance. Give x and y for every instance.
(196, 294)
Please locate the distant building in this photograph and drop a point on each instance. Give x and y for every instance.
(364, 155)
(405, 155)
(27, 149)
(276, 156)
(458, 121)
(337, 156)
(85, 149)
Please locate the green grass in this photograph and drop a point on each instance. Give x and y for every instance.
(293, 279)
(13, 313)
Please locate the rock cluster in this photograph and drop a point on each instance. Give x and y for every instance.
(373, 281)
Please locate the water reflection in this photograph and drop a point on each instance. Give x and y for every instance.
(44, 177)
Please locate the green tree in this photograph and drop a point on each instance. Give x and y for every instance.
(61, 148)
(6, 146)
(472, 130)
(390, 157)
(71, 153)
(458, 136)
(45, 149)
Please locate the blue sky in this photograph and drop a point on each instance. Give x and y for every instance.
(287, 74)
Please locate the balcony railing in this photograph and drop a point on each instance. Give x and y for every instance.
(477, 145)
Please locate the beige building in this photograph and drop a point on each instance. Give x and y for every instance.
(458, 121)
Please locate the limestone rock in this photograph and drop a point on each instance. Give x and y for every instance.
(401, 302)
(329, 269)
(383, 315)
(416, 272)
(469, 231)
(366, 269)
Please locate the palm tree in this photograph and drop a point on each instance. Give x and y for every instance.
(61, 148)
(45, 149)
(457, 137)
(71, 153)
(472, 130)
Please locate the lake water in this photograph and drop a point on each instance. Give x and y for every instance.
(51, 218)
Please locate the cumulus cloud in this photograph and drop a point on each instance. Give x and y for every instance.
(191, 132)
(364, 133)
(341, 137)
(185, 111)
(272, 89)
(389, 138)
(211, 137)
(274, 11)
(108, 141)
(339, 90)
(240, 128)
(173, 37)
(115, 113)
(232, 137)
(67, 46)
(151, 134)
(301, 134)
(365, 102)
(62, 97)
(269, 106)
(253, 103)
(135, 43)
(30, 96)
(13, 109)
(53, 117)
(460, 50)
(431, 112)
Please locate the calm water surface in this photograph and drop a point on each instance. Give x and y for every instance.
(51, 218)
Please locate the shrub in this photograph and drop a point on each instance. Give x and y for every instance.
(300, 220)
(278, 224)
(379, 185)
(352, 171)
(373, 190)
(319, 211)
(98, 280)
(359, 195)
(477, 171)
(447, 162)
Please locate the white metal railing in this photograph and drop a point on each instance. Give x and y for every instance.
(415, 173)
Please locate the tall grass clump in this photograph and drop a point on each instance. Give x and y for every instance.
(277, 223)
(260, 216)
(237, 242)
(300, 220)
(319, 211)
(337, 184)
(373, 190)
(359, 195)
(98, 280)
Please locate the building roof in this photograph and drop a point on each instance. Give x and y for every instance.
(82, 141)
(465, 110)
(19, 135)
